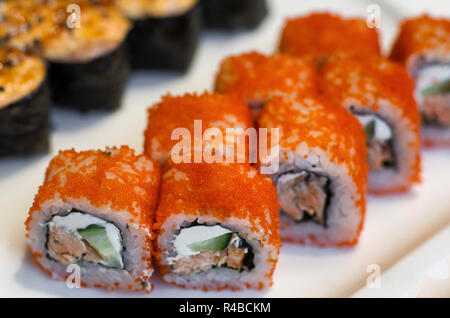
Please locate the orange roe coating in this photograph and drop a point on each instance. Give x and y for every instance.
(114, 178)
(369, 81)
(325, 33)
(313, 121)
(221, 191)
(100, 178)
(422, 35)
(255, 77)
(214, 110)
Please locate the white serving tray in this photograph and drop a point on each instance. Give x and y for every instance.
(404, 235)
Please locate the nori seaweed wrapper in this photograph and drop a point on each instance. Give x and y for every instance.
(233, 14)
(24, 125)
(95, 85)
(165, 43)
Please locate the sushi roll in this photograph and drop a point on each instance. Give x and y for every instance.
(423, 46)
(24, 104)
(95, 209)
(85, 50)
(322, 176)
(165, 33)
(380, 94)
(233, 14)
(209, 110)
(217, 227)
(25, 23)
(324, 33)
(255, 78)
(88, 66)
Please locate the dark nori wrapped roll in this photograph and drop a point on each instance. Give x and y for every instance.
(165, 33)
(87, 58)
(233, 14)
(83, 41)
(24, 104)
(98, 84)
(88, 66)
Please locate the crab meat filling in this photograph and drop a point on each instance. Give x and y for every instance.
(79, 236)
(304, 195)
(379, 141)
(199, 248)
(433, 93)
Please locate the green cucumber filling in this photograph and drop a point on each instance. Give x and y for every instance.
(379, 141)
(79, 236)
(437, 88)
(304, 195)
(200, 248)
(433, 93)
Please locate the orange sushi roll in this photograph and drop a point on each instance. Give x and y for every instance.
(423, 46)
(255, 77)
(321, 170)
(95, 210)
(326, 33)
(205, 111)
(217, 227)
(380, 94)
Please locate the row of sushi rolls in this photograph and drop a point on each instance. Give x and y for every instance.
(349, 120)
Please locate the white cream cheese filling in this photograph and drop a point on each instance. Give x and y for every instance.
(75, 221)
(196, 234)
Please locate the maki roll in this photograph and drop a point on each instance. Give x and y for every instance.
(88, 66)
(325, 33)
(95, 209)
(380, 94)
(24, 104)
(165, 33)
(233, 14)
(84, 48)
(255, 78)
(423, 46)
(321, 180)
(209, 111)
(217, 227)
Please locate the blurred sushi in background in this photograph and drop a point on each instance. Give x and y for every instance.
(379, 93)
(24, 104)
(165, 34)
(211, 111)
(83, 43)
(423, 46)
(326, 33)
(322, 176)
(255, 78)
(88, 66)
(233, 14)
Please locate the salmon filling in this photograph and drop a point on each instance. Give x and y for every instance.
(82, 237)
(304, 195)
(200, 248)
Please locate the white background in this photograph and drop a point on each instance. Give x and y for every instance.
(407, 236)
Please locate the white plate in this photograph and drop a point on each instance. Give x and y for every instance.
(394, 226)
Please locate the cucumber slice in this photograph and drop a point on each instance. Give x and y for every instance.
(217, 243)
(97, 237)
(370, 130)
(438, 88)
